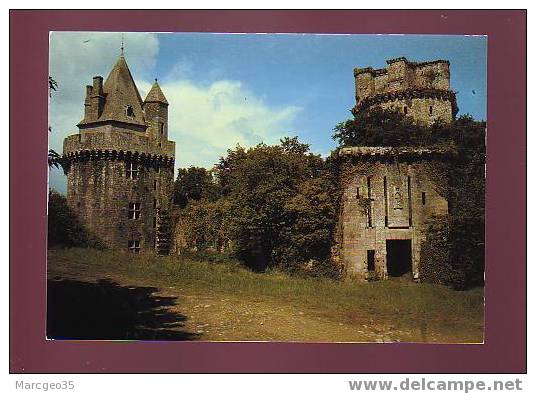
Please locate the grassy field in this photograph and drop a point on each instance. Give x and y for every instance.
(104, 295)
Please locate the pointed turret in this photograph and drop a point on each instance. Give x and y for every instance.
(155, 107)
(117, 100)
(156, 94)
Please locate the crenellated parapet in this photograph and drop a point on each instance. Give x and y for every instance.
(418, 89)
(119, 141)
(121, 155)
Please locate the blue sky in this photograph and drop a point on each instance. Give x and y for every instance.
(226, 89)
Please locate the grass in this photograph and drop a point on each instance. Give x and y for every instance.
(320, 309)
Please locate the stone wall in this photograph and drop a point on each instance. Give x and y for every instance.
(400, 75)
(99, 191)
(156, 116)
(386, 197)
(423, 110)
(421, 90)
(114, 137)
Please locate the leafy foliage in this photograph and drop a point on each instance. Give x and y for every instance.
(273, 206)
(384, 127)
(203, 226)
(64, 228)
(467, 202)
(194, 184)
(54, 158)
(52, 85)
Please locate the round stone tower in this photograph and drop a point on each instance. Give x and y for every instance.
(420, 90)
(120, 164)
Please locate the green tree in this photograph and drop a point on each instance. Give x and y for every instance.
(194, 184)
(283, 213)
(388, 127)
(64, 228)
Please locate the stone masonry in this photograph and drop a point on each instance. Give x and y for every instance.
(420, 90)
(120, 164)
(390, 193)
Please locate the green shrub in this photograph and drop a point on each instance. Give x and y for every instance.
(64, 228)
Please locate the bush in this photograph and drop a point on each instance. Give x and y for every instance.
(64, 228)
(435, 263)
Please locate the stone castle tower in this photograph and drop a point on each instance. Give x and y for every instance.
(390, 193)
(120, 164)
(420, 90)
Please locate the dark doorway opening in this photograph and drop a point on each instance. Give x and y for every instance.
(371, 263)
(398, 258)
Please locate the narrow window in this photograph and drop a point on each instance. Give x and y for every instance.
(129, 111)
(385, 201)
(134, 246)
(369, 196)
(154, 203)
(410, 207)
(155, 185)
(154, 222)
(430, 110)
(371, 264)
(132, 170)
(405, 110)
(157, 169)
(161, 128)
(423, 198)
(357, 193)
(134, 210)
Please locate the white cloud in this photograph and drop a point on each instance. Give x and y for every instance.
(204, 119)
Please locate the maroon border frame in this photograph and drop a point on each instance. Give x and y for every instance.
(504, 350)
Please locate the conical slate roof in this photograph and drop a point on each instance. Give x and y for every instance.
(156, 94)
(123, 102)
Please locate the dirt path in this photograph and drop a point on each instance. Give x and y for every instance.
(214, 317)
(134, 308)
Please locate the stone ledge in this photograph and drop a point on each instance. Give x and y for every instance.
(357, 151)
(119, 142)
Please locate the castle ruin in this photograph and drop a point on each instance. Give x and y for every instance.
(420, 90)
(120, 164)
(390, 193)
(120, 169)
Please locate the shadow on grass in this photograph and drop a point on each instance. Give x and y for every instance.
(105, 310)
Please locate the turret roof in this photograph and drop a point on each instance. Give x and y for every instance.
(156, 94)
(123, 101)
